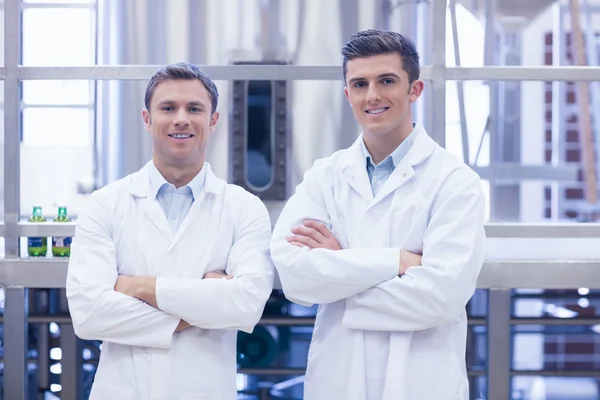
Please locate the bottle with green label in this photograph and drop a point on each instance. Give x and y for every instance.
(37, 246)
(61, 246)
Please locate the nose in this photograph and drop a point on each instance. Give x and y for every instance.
(181, 118)
(373, 94)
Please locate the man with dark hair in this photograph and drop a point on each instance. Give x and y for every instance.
(169, 262)
(387, 237)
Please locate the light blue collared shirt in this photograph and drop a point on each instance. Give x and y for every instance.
(176, 203)
(379, 174)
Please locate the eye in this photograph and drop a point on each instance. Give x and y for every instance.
(387, 81)
(195, 109)
(167, 108)
(359, 84)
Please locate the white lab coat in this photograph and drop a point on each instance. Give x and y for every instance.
(415, 325)
(125, 232)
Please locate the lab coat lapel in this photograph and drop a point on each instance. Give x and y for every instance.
(421, 149)
(140, 187)
(355, 171)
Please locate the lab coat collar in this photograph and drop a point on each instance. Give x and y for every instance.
(354, 169)
(420, 150)
(140, 182)
(141, 187)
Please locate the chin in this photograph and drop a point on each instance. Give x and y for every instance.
(379, 130)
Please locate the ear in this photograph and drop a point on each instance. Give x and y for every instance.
(415, 90)
(146, 118)
(347, 95)
(213, 121)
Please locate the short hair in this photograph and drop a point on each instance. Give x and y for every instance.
(374, 42)
(182, 71)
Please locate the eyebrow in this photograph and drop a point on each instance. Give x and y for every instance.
(386, 75)
(191, 103)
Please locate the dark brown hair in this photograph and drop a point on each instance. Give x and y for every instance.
(374, 42)
(184, 71)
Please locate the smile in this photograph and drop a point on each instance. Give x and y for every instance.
(181, 135)
(377, 111)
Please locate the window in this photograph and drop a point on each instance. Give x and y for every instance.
(58, 113)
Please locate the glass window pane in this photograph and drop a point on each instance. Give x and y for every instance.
(57, 37)
(57, 126)
(69, 92)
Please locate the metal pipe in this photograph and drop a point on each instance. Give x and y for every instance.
(492, 229)
(499, 345)
(460, 86)
(309, 321)
(312, 73)
(438, 92)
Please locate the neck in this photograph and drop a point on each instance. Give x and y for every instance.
(381, 146)
(178, 175)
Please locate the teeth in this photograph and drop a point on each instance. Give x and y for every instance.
(180, 136)
(378, 111)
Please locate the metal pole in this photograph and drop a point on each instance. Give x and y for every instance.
(558, 106)
(349, 25)
(499, 345)
(438, 58)
(15, 312)
(460, 86)
(592, 55)
(489, 53)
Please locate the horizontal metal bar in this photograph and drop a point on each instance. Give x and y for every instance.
(88, 106)
(272, 371)
(287, 321)
(216, 72)
(313, 72)
(541, 274)
(34, 273)
(515, 172)
(310, 321)
(548, 321)
(547, 274)
(278, 321)
(90, 5)
(529, 230)
(523, 73)
(493, 230)
(571, 374)
(46, 229)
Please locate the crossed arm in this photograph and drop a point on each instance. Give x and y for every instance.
(146, 311)
(380, 287)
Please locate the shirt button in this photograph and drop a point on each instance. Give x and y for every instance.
(172, 216)
(378, 182)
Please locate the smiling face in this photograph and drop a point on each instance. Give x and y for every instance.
(381, 96)
(180, 122)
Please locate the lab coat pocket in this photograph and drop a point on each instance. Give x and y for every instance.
(107, 392)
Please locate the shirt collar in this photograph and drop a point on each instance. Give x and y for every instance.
(398, 154)
(157, 182)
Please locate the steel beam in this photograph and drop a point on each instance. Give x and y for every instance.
(314, 72)
(493, 229)
(501, 274)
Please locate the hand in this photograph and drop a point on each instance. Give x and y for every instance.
(181, 326)
(314, 235)
(217, 275)
(407, 260)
